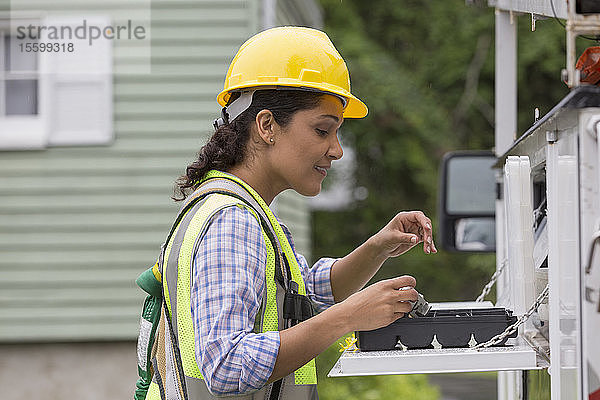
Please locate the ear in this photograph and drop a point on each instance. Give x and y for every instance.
(266, 126)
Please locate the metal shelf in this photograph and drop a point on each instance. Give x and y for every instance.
(451, 305)
(430, 361)
(537, 7)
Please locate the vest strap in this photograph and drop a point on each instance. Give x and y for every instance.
(223, 185)
(173, 253)
(296, 306)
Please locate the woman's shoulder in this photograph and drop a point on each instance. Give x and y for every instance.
(233, 229)
(235, 216)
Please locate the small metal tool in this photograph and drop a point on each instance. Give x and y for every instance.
(420, 307)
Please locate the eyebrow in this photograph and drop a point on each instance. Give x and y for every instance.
(336, 119)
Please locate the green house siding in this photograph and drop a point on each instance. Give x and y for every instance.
(78, 224)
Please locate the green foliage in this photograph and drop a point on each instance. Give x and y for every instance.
(539, 384)
(426, 71)
(369, 387)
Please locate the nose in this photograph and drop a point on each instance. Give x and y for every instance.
(335, 148)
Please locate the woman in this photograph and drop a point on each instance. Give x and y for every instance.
(286, 95)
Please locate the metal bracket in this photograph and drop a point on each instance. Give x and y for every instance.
(578, 25)
(551, 136)
(595, 239)
(593, 126)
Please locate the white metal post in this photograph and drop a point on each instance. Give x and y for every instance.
(506, 80)
(563, 274)
(269, 13)
(505, 132)
(589, 220)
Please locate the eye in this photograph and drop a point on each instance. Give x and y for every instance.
(321, 132)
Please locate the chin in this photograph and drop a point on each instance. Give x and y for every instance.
(309, 191)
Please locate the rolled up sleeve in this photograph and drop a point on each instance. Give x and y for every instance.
(317, 280)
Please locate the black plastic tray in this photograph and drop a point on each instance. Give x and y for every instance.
(453, 328)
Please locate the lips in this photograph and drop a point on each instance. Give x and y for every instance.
(321, 170)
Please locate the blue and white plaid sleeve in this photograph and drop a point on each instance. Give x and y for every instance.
(316, 279)
(228, 285)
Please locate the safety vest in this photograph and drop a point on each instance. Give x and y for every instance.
(175, 372)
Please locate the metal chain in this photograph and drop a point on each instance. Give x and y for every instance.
(513, 328)
(487, 288)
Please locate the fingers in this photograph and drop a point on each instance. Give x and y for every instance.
(421, 226)
(402, 282)
(408, 238)
(381, 303)
(407, 293)
(426, 231)
(402, 307)
(405, 298)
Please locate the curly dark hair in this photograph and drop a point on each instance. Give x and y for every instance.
(228, 145)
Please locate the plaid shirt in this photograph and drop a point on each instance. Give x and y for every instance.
(227, 288)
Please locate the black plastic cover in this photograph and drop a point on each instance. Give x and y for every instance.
(587, 6)
(453, 328)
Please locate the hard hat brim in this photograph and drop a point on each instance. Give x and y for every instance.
(355, 108)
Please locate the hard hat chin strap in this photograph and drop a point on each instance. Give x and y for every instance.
(233, 110)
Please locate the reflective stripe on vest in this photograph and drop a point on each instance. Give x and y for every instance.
(176, 272)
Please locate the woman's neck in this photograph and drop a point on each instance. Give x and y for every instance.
(258, 179)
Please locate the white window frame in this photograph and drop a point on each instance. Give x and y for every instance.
(55, 124)
(24, 132)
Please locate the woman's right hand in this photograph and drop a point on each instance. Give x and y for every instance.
(373, 307)
(380, 304)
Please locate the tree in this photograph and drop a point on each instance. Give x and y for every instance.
(426, 71)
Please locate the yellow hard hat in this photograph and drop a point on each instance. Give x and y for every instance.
(293, 57)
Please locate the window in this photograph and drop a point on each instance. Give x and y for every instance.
(22, 123)
(58, 98)
(18, 79)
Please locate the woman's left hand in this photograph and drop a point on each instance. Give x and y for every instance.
(403, 232)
